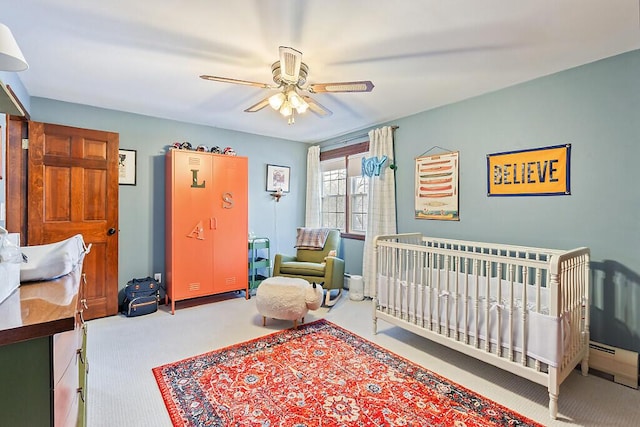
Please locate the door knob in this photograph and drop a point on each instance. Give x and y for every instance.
(111, 231)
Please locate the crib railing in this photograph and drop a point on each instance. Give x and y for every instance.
(493, 302)
(428, 272)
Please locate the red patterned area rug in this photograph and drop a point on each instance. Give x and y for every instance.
(318, 375)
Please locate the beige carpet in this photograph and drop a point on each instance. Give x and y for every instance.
(122, 351)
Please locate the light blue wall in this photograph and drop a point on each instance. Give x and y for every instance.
(596, 108)
(13, 80)
(141, 213)
(352, 253)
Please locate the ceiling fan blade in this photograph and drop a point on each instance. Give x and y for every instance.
(236, 81)
(290, 62)
(359, 86)
(316, 108)
(258, 106)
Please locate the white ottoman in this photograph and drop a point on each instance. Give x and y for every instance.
(287, 298)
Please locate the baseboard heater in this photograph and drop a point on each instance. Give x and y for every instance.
(621, 364)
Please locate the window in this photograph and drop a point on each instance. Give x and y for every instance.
(345, 191)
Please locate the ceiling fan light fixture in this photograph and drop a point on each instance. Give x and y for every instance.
(286, 109)
(294, 99)
(277, 100)
(302, 107)
(290, 76)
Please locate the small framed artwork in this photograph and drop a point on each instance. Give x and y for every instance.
(436, 185)
(278, 178)
(127, 167)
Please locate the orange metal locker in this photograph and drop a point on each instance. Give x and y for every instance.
(206, 224)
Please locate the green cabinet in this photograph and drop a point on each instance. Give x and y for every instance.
(43, 363)
(26, 397)
(40, 387)
(259, 261)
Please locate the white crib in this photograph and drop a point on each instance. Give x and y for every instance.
(522, 309)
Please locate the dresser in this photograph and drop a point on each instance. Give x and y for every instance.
(206, 216)
(43, 363)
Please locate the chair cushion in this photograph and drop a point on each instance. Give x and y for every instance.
(303, 268)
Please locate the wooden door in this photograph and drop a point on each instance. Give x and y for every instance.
(230, 204)
(73, 189)
(190, 225)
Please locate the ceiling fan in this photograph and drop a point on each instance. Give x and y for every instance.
(290, 76)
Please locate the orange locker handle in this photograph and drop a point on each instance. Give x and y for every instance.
(213, 224)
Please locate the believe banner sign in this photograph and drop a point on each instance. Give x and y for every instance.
(536, 172)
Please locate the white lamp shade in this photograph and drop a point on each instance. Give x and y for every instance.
(286, 109)
(294, 99)
(302, 107)
(11, 58)
(276, 100)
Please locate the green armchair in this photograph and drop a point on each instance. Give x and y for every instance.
(316, 266)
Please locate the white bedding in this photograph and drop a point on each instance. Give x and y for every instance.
(53, 260)
(545, 338)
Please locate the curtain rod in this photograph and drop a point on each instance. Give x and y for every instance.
(353, 138)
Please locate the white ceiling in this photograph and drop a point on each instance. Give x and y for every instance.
(146, 56)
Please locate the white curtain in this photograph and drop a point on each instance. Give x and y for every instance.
(314, 182)
(381, 218)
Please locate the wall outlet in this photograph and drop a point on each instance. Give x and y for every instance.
(158, 277)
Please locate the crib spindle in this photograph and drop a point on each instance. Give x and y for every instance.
(446, 295)
(423, 287)
(487, 276)
(456, 298)
(436, 290)
(476, 300)
(414, 287)
(542, 280)
(525, 309)
(466, 325)
(391, 280)
(430, 280)
(499, 310)
(511, 274)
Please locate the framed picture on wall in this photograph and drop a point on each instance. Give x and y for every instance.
(278, 178)
(436, 187)
(127, 167)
